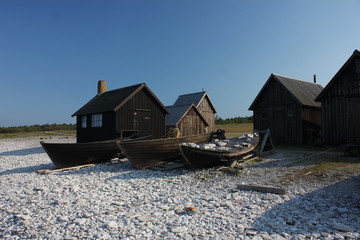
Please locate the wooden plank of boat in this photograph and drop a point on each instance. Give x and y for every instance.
(148, 153)
(197, 157)
(65, 155)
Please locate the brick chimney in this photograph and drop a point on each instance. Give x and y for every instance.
(102, 86)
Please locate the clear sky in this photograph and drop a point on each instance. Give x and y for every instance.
(52, 52)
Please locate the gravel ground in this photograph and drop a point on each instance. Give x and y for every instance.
(116, 201)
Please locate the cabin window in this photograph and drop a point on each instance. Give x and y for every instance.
(263, 115)
(96, 120)
(83, 122)
(290, 113)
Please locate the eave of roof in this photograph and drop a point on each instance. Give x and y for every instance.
(113, 100)
(302, 91)
(194, 98)
(178, 112)
(356, 53)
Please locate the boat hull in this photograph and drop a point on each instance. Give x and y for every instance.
(203, 158)
(149, 153)
(74, 154)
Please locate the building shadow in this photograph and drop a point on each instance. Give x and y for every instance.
(329, 210)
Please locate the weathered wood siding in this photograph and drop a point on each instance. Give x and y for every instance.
(92, 134)
(207, 112)
(142, 102)
(341, 107)
(288, 120)
(272, 110)
(191, 124)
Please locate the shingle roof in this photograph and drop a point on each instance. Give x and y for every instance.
(112, 100)
(193, 98)
(176, 113)
(304, 92)
(355, 54)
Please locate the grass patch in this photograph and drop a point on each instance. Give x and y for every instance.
(235, 129)
(338, 168)
(38, 134)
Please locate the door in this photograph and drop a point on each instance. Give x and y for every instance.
(142, 122)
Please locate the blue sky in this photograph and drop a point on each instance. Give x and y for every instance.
(52, 52)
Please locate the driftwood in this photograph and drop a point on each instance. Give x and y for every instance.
(47, 171)
(263, 189)
(266, 142)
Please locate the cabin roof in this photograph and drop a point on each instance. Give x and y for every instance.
(112, 100)
(177, 113)
(355, 54)
(304, 92)
(193, 98)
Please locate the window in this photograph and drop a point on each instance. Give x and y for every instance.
(290, 113)
(263, 115)
(96, 120)
(83, 122)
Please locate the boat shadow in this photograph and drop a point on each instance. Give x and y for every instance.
(29, 169)
(125, 171)
(22, 152)
(329, 210)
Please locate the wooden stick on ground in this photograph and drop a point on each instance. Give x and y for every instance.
(47, 171)
(263, 189)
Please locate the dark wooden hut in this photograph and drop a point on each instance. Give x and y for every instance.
(185, 120)
(340, 101)
(128, 111)
(287, 107)
(203, 104)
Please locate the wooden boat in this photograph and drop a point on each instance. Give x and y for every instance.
(148, 153)
(74, 154)
(202, 156)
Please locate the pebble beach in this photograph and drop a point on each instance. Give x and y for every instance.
(117, 201)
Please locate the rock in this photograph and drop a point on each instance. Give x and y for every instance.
(179, 229)
(112, 225)
(80, 221)
(342, 227)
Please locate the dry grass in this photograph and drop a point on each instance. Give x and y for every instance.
(236, 129)
(333, 167)
(38, 134)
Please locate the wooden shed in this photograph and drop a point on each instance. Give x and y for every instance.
(340, 101)
(186, 119)
(123, 112)
(287, 107)
(203, 104)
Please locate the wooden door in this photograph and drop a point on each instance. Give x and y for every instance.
(142, 122)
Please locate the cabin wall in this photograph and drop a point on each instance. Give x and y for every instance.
(192, 124)
(284, 123)
(207, 112)
(341, 107)
(152, 121)
(311, 124)
(92, 134)
(278, 111)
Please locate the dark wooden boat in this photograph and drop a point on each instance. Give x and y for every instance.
(148, 153)
(74, 154)
(201, 156)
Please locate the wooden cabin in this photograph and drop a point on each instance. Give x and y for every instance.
(288, 108)
(203, 104)
(340, 101)
(123, 112)
(185, 120)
